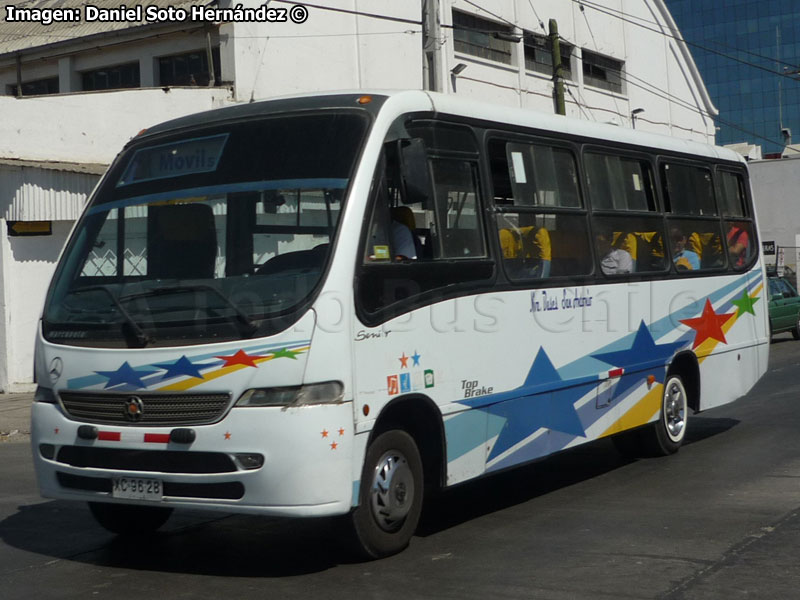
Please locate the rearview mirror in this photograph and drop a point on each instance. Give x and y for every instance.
(415, 177)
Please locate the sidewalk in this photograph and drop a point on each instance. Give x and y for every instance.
(15, 417)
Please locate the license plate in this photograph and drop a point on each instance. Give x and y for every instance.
(134, 488)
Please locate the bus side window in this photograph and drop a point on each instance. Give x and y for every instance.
(740, 234)
(692, 214)
(623, 196)
(456, 227)
(541, 223)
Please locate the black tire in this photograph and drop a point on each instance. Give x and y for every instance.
(129, 519)
(390, 498)
(796, 329)
(667, 434)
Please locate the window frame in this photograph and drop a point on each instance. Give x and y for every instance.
(47, 82)
(463, 46)
(614, 213)
(88, 72)
(215, 58)
(658, 200)
(602, 83)
(534, 139)
(748, 217)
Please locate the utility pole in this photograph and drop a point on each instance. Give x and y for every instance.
(558, 75)
(431, 55)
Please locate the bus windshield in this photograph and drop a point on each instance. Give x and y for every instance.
(221, 233)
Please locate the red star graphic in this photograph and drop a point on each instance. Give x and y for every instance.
(404, 361)
(341, 431)
(56, 430)
(227, 435)
(334, 445)
(324, 433)
(240, 358)
(708, 325)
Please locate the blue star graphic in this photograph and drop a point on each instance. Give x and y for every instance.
(182, 366)
(643, 354)
(544, 400)
(125, 374)
(415, 357)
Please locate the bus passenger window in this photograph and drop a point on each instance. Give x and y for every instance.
(541, 224)
(619, 183)
(740, 242)
(690, 200)
(688, 190)
(639, 238)
(739, 230)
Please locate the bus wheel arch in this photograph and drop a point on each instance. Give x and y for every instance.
(422, 420)
(686, 365)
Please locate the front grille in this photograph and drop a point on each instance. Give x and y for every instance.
(156, 409)
(164, 461)
(229, 490)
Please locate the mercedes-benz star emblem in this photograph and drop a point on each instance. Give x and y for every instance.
(134, 408)
(56, 368)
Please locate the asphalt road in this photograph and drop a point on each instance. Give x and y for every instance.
(721, 519)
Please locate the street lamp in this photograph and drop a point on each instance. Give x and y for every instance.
(634, 112)
(454, 73)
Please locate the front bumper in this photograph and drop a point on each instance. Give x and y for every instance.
(307, 460)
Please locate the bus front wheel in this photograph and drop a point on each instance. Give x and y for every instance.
(128, 519)
(390, 495)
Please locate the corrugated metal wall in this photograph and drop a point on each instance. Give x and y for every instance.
(37, 194)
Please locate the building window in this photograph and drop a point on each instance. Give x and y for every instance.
(187, 69)
(482, 38)
(602, 72)
(39, 87)
(539, 55)
(112, 78)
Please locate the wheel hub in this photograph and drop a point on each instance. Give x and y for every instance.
(392, 491)
(675, 412)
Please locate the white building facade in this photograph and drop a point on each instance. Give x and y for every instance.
(76, 92)
(775, 188)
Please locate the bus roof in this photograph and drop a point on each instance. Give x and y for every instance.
(448, 104)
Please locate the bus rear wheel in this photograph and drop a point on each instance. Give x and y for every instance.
(129, 519)
(669, 431)
(666, 435)
(390, 495)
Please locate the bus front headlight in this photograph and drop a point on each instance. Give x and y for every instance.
(329, 392)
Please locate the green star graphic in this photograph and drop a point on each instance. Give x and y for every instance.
(285, 353)
(745, 304)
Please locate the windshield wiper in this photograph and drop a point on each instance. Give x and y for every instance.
(246, 326)
(141, 337)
